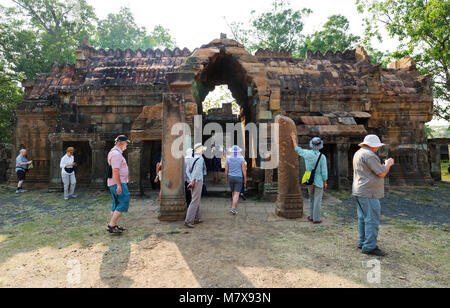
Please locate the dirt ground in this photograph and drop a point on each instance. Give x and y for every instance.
(47, 242)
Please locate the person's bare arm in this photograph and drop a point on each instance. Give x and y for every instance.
(388, 164)
(226, 172)
(244, 172)
(116, 178)
(158, 168)
(294, 140)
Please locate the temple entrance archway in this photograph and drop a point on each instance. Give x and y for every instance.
(223, 62)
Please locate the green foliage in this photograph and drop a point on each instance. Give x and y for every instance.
(220, 95)
(281, 29)
(10, 95)
(278, 29)
(423, 30)
(121, 31)
(334, 37)
(36, 33)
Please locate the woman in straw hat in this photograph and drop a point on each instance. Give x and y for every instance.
(195, 172)
(68, 173)
(236, 175)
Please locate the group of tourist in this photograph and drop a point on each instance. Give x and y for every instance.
(368, 182)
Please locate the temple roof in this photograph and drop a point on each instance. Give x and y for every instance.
(347, 74)
(109, 68)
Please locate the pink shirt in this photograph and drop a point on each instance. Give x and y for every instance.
(117, 161)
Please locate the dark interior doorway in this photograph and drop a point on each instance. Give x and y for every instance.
(83, 159)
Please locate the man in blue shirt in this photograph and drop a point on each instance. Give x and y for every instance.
(22, 164)
(316, 190)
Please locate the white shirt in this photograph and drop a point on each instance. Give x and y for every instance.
(66, 160)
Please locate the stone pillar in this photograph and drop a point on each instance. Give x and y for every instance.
(435, 160)
(135, 150)
(289, 201)
(98, 165)
(342, 166)
(173, 202)
(56, 152)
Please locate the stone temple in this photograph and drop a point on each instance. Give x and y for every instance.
(340, 97)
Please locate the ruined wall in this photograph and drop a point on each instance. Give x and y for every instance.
(6, 158)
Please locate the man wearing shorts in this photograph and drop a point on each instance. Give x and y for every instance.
(118, 183)
(22, 164)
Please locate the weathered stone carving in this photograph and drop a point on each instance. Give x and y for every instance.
(289, 201)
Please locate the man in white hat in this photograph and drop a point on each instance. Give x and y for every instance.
(368, 188)
(195, 171)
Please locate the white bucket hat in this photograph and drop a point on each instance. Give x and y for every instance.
(235, 149)
(372, 141)
(199, 148)
(316, 143)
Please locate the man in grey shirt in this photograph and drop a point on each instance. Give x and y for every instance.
(368, 188)
(22, 164)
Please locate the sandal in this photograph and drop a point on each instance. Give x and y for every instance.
(114, 230)
(121, 228)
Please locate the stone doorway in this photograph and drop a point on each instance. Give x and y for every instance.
(226, 76)
(83, 159)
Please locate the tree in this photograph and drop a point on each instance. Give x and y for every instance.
(278, 29)
(36, 33)
(220, 95)
(10, 95)
(121, 31)
(334, 37)
(423, 30)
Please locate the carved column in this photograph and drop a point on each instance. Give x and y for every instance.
(342, 166)
(435, 160)
(135, 150)
(98, 165)
(289, 201)
(173, 203)
(56, 152)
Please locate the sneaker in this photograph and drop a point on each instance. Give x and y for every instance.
(310, 219)
(196, 222)
(375, 252)
(234, 211)
(23, 191)
(17, 191)
(317, 222)
(189, 225)
(73, 196)
(67, 199)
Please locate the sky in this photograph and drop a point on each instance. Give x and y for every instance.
(197, 22)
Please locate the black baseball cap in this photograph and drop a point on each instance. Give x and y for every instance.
(122, 138)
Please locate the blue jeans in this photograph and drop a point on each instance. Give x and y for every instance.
(369, 212)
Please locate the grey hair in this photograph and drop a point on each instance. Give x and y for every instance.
(22, 150)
